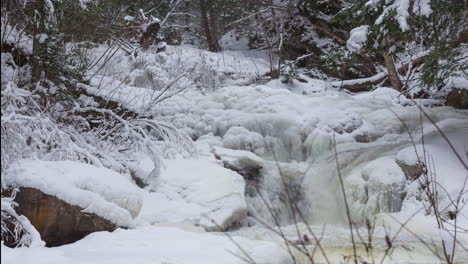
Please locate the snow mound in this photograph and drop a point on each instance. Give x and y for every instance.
(383, 170)
(101, 191)
(196, 191)
(151, 245)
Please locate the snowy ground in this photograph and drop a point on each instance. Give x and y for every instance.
(165, 245)
(290, 126)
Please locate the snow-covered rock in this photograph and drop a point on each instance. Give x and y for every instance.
(245, 163)
(199, 192)
(101, 191)
(58, 222)
(409, 159)
(239, 160)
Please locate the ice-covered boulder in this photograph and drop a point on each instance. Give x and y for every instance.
(199, 192)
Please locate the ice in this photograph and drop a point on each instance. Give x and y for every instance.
(240, 138)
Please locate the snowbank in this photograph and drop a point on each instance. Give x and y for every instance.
(150, 245)
(101, 191)
(197, 192)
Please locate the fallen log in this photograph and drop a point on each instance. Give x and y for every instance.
(364, 84)
(361, 84)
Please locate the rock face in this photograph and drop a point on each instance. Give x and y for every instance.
(58, 222)
(458, 98)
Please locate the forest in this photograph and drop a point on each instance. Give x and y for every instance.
(234, 131)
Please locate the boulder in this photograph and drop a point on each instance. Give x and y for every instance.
(458, 98)
(58, 222)
(245, 163)
(409, 162)
(66, 200)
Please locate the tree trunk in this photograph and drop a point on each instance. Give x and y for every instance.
(209, 34)
(39, 43)
(392, 72)
(214, 30)
(150, 32)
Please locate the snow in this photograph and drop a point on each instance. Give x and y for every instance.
(401, 7)
(150, 245)
(357, 38)
(97, 190)
(239, 158)
(42, 37)
(233, 41)
(285, 131)
(402, 12)
(137, 82)
(32, 238)
(13, 36)
(383, 170)
(411, 155)
(196, 192)
(456, 82)
(294, 124)
(376, 77)
(148, 21)
(382, 96)
(422, 7)
(240, 138)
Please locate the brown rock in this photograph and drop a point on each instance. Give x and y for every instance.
(58, 222)
(458, 98)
